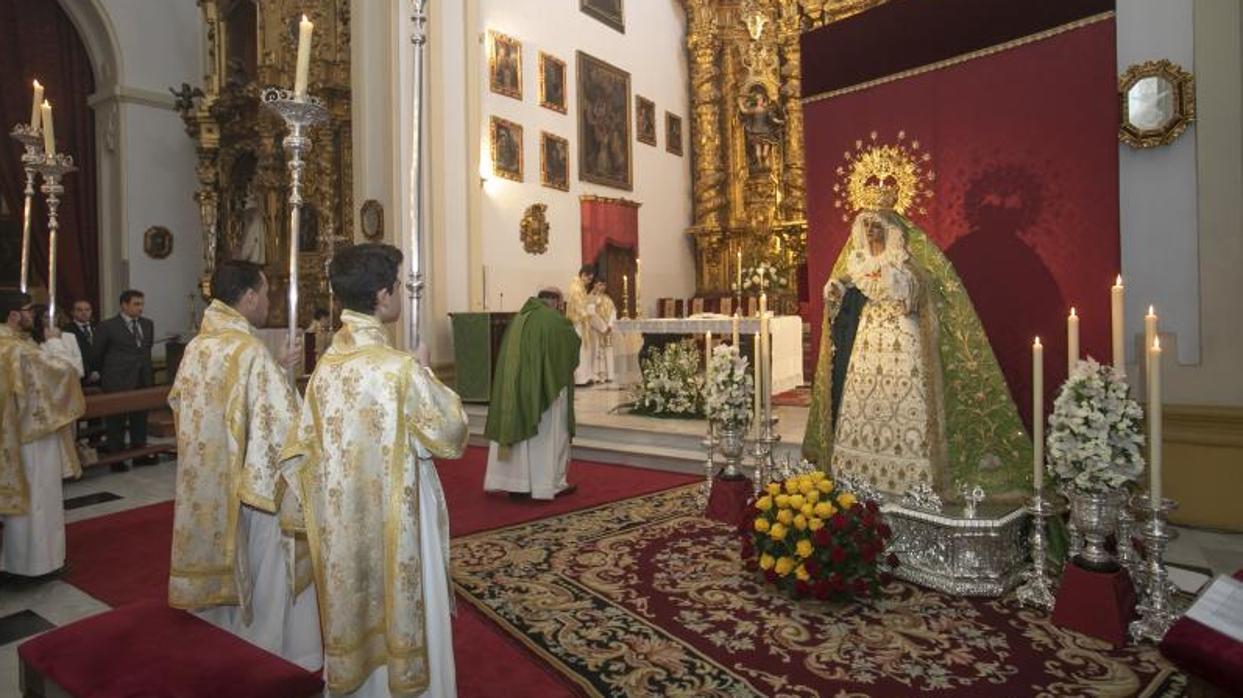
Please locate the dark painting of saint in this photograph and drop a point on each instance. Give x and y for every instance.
(504, 65)
(603, 123)
(673, 133)
(608, 11)
(506, 149)
(645, 120)
(551, 82)
(554, 161)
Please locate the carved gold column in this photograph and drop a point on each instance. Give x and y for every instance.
(789, 27)
(705, 75)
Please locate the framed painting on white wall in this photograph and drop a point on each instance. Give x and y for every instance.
(506, 148)
(551, 82)
(673, 133)
(504, 65)
(554, 161)
(645, 120)
(610, 12)
(603, 123)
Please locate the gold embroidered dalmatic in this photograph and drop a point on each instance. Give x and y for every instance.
(234, 409)
(371, 422)
(40, 396)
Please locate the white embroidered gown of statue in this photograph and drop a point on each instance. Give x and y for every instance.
(882, 425)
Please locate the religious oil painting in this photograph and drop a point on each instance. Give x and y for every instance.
(506, 140)
(504, 65)
(551, 82)
(673, 133)
(609, 12)
(603, 123)
(554, 161)
(645, 120)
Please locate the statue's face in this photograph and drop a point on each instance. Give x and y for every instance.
(876, 232)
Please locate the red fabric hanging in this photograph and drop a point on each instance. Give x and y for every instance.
(609, 222)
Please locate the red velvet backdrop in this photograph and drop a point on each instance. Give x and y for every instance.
(1025, 201)
(37, 40)
(608, 222)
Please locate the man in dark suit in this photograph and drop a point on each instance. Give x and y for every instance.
(83, 328)
(122, 352)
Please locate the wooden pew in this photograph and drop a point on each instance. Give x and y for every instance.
(100, 405)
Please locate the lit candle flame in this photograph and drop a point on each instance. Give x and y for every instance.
(1151, 311)
(1037, 342)
(1156, 344)
(1119, 281)
(1072, 311)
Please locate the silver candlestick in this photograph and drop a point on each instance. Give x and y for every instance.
(416, 246)
(1037, 590)
(1124, 529)
(709, 444)
(1156, 609)
(30, 139)
(53, 168)
(300, 113)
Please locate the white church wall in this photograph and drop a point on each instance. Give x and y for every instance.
(1158, 189)
(653, 51)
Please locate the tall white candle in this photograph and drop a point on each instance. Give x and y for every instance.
(1072, 341)
(305, 28)
(1154, 423)
(735, 330)
(1117, 298)
(755, 359)
(1150, 335)
(707, 359)
(625, 295)
(638, 299)
(34, 106)
(738, 277)
(49, 130)
(1038, 413)
(765, 373)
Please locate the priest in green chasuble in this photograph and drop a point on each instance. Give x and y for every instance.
(234, 407)
(359, 464)
(40, 399)
(907, 391)
(531, 413)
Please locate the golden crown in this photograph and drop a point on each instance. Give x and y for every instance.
(883, 177)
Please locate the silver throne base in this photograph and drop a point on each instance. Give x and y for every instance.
(983, 555)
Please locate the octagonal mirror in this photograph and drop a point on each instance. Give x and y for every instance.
(1157, 103)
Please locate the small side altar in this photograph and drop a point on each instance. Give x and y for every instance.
(980, 555)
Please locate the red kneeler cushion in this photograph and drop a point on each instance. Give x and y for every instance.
(148, 649)
(1205, 653)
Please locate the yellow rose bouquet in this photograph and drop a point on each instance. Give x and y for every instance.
(814, 540)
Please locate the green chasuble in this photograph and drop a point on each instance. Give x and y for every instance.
(539, 353)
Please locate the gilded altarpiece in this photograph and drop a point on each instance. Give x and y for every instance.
(243, 181)
(747, 135)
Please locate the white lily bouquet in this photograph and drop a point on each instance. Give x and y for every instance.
(764, 277)
(729, 392)
(672, 384)
(1095, 432)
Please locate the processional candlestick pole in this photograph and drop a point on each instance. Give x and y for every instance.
(414, 252)
(300, 112)
(53, 167)
(30, 138)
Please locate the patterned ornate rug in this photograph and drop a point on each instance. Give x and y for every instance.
(645, 597)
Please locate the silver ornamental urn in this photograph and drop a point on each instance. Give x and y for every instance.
(731, 445)
(1095, 515)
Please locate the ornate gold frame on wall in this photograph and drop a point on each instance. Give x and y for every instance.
(495, 124)
(1182, 95)
(544, 139)
(544, 60)
(494, 39)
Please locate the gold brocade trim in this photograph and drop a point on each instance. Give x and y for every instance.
(963, 58)
(609, 200)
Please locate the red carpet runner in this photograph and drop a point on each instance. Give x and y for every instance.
(124, 557)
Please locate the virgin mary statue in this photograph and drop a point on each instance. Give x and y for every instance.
(907, 389)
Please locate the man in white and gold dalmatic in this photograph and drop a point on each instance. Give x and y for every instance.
(579, 311)
(367, 493)
(40, 399)
(234, 408)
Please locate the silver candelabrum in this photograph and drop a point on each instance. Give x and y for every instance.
(1037, 589)
(1124, 530)
(709, 444)
(53, 168)
(300, 113)
(30, 138)
(1156, 608)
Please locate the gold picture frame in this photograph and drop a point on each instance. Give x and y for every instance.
(505, 139)
(1157, 102)
(605, 153)
(610, 12)
(673, 133)
(644, 120)
(504, 65)
(554, 161)
(551, 82)
(157, 242)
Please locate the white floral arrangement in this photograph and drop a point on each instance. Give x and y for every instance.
(763, 277)
(1095, 431)
(727, 399)
(672, 383)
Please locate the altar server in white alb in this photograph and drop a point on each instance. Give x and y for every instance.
(603, 320)
(578, 309)
(367, 492)
(40, 399)
(234, 408)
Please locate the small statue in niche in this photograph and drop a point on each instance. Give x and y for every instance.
(534, 229)
(252, 240)
(763, 122)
